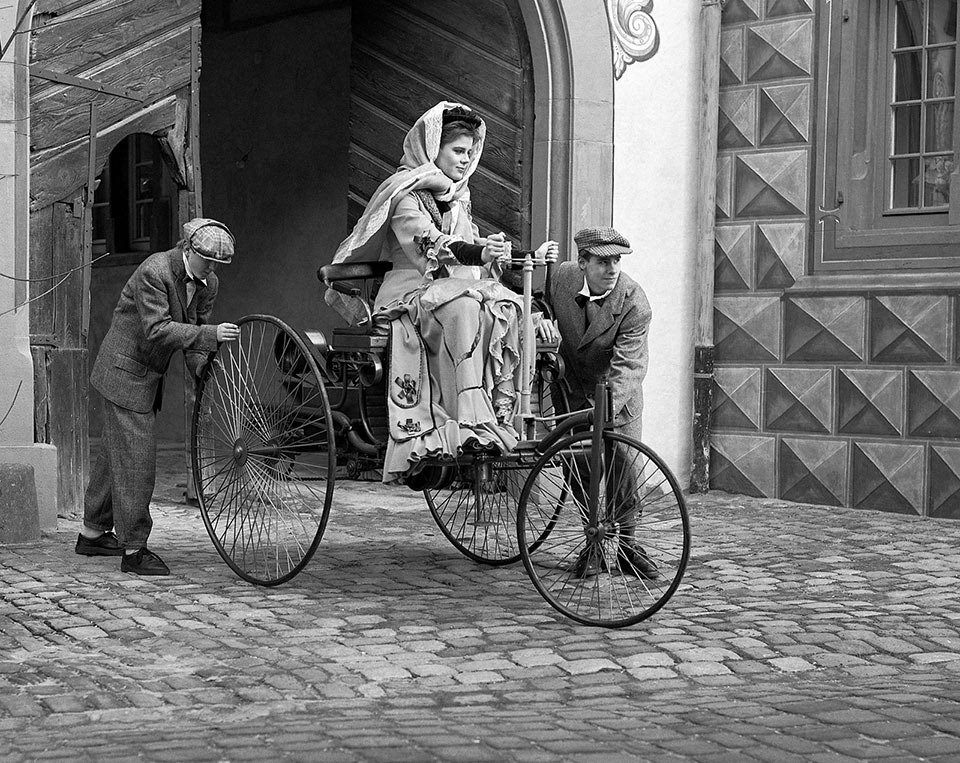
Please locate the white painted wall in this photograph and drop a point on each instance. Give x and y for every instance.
(655, 206)
(16, 368)
(16, 365)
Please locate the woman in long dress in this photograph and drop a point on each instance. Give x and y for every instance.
(454, 364)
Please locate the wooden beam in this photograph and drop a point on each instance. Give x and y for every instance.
(81, 82)
(88, 226)
(196, 184)
(710, 11)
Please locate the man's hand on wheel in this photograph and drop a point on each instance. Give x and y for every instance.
(227, 332)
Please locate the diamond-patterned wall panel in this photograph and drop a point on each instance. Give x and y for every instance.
(944, 482)
(731, 57)
(736, 398)
(733, 257)
(780, 50)
(771, 184)
(813, 471)
(746, 329)
(888, 477)
(956, 330)
(724, 187)
(776, 8)
(737, 126)
(910, 329)
(736, 11)
(784, 114)
(933, 403)
(824, 328)
(798, 400)
(870, 401)
(780, 254)
(742, 464)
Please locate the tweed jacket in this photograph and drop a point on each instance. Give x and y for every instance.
(150, 323)
(614, 344)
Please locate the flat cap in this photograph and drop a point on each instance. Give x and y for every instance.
(601, 242)
(211, 239)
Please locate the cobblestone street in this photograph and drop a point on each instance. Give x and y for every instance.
(799, 634)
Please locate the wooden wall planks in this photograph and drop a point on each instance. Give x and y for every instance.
(143, 47)
(150, 71)
(409, 54)
(77, 40)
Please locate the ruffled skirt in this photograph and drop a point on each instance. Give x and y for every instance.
(454, 370)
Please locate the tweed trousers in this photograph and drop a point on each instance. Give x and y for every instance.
(121, 484)
(622, 503)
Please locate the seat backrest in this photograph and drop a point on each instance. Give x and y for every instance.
(352, 271)
(361, 280)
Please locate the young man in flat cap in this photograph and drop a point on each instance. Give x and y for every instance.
(164, 307)
(603, 316)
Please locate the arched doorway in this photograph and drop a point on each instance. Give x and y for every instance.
(303, 115)
(572, 56)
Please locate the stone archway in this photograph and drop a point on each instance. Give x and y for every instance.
(571, 49)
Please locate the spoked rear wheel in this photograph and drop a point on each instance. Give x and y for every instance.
(477, 509)
(263, 451)
(622, 567)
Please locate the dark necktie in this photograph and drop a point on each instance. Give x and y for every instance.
(193, 286)
(590, 308)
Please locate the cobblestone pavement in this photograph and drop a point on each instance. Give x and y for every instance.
(799, 634)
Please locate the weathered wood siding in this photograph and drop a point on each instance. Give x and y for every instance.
(409, 54)
(144, 49)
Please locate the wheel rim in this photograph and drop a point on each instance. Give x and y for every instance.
(553, 508)
(263, 452)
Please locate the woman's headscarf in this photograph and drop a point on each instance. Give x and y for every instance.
(417, 171)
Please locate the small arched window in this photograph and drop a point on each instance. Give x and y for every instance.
(131, 208)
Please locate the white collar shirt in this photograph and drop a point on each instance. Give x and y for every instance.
(585, 291)
(191, 280)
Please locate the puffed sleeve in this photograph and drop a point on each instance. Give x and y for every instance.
(422, 242)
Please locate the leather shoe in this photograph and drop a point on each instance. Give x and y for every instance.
(590, 562)
(103, 545)
(144, 562)
(633, 560)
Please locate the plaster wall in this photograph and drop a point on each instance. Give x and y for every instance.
(16, 368)
(655, 206)
(17, 444)
(274, 148)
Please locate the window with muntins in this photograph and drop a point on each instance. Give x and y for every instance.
(887, 193)
(131, 203)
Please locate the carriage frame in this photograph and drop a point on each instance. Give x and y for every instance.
(281, 416)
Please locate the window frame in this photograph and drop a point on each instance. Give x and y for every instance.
(852, 228)
(117, 200)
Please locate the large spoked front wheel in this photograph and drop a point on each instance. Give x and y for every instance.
(621, 565)
(263, 451)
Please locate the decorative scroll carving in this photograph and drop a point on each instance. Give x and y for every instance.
(635, 35)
